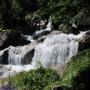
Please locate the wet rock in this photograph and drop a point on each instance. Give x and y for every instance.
(28, 57)
(84, 43)
(39, 34)
(4, 57)
(62, 26)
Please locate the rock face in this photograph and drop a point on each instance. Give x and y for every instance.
(28, 57)
(84, 43)
(11, 38)
(4, 57)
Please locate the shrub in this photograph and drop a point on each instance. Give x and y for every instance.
(36, 79)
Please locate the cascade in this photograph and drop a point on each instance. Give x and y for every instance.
(56, 50)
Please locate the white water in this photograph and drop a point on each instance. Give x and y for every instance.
(38, 32)
(54, 51)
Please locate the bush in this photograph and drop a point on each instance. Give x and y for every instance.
(35, 79)
(78, 70)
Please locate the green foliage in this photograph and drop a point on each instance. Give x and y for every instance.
(76, 75)
(75, 66)
(35, 79)
(82, 80)
(61, 11)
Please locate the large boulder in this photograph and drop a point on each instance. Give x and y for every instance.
(14, 38)
(28, 53)
(84, 43)
(27, 59)
(4, 56)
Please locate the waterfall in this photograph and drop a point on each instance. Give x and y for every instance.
(14, 56)
(56, 50)
(49, 25)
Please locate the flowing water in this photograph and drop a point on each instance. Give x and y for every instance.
(56, 50)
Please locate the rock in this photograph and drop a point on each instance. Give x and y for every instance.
(28, 53)
(14, 38)
(74, 31)
(28, 57)
(40, 33)
(46, 34)
(41, 39)
(84, 43)
(55, 32)
(4, 56)
(62, 26)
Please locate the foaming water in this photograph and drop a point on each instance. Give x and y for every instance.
(14, 69)
(56, 50)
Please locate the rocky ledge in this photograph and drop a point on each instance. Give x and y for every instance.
(13, 38)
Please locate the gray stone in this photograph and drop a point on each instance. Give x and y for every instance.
(14, 38)
(28, 57)
(84, 43)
